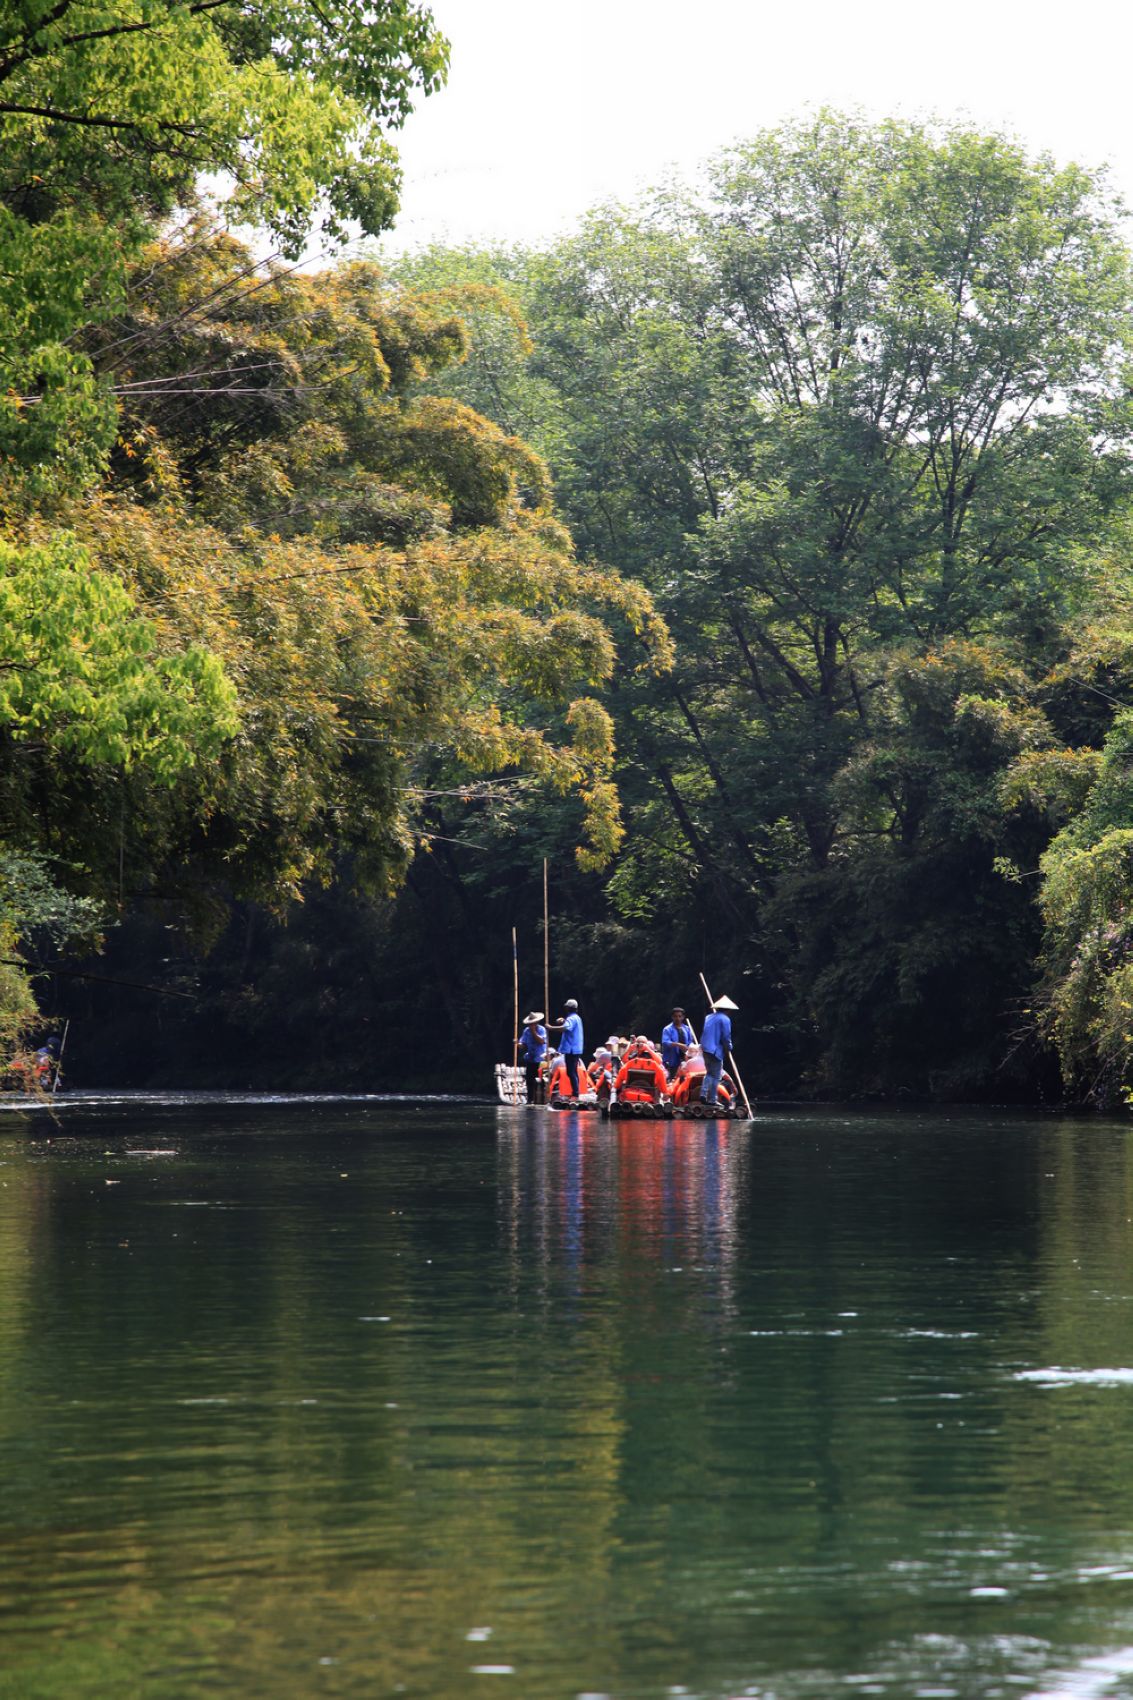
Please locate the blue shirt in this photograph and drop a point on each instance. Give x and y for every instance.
(533, 1040)
(674, 1034)
(716, 1035)
(571, 1042)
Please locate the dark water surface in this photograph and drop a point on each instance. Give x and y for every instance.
(357, 1399)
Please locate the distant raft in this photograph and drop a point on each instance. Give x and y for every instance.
(642, 1100)
(511, 1088)
(510, 1084)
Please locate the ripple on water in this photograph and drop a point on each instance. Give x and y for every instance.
(1057, 1377)
(1094, 1679)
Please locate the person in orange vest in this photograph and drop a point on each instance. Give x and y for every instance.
(601, 1073)
(650, 1082)
(560, 1086)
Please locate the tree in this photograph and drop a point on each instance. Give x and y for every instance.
(379, 582)
(83, 685)
(125, 105)
(1080, 787)
(856, 405)
(302, 600)
(109, 116)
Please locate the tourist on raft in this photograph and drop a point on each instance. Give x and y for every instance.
(602, 1071)
(533, 1044)
(559, 1090)
(641, 1078)
(676, 1039)
(570, 1045)
(715, 1042)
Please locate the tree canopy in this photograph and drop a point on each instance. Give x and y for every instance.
(855, 409)
(110, 117)
(257, 601)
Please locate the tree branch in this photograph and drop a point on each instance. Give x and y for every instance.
(88, 121)
(14, 61)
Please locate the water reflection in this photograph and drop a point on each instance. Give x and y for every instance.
(578, 1191)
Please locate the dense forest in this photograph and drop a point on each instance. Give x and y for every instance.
(761, 556)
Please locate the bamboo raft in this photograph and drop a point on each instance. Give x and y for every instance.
(511, 1089)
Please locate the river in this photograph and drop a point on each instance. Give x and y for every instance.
(352, 1398)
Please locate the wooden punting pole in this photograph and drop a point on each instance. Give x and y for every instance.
(515, 991)
(546, 948)
(59, 1058)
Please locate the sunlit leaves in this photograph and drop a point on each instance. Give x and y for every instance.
(32, 901)
(80, 669)
(381, 578)
(128, 103)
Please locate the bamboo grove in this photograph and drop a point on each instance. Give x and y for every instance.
(258, 597)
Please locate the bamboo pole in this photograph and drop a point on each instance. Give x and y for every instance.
(512, 1095)
(515, 992)
(546, 948)
(59, 1058)
(731, 1053)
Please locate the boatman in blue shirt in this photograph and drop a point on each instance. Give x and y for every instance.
(570, 1045)
(715, 1042)
(676, 1039)
(533, 1044)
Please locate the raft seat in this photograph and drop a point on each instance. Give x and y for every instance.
(642, 1080)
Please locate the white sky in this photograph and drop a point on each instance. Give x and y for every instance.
(553, 106)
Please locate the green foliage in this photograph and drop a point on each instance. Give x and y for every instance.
(855, 411)
(1056, 782)
(18, 1008)
(1087, 902)
(55, 439)
(375, 584)
(304, 598)
(33, 907)
(80, 674)
(109, 116)
(125, 105)
(32, 902)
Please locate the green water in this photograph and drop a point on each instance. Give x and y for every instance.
(365, 1400)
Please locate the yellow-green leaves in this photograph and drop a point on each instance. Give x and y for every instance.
(288, 99)
(56, 426)
(80, 670)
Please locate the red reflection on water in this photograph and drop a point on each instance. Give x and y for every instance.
(578, 1190)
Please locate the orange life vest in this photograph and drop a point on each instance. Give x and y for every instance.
(559, 1086)
(686, 1086)
(641, 1079)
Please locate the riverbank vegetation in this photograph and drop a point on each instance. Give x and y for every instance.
(760, 555)
(259, 598)
(857, 413)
